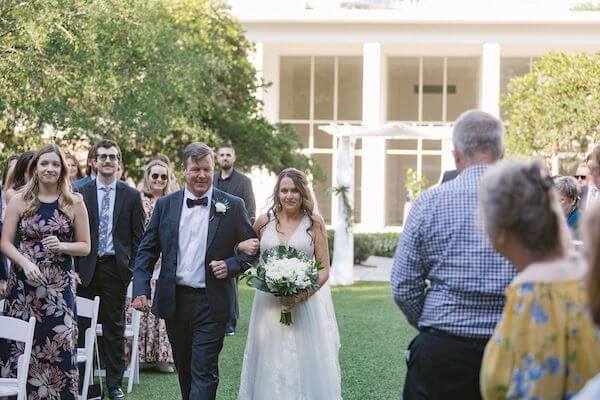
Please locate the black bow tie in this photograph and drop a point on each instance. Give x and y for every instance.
(198, 202)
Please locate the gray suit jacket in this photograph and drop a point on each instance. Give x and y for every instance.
(241, 186)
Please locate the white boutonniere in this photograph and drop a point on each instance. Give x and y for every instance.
(221, 206)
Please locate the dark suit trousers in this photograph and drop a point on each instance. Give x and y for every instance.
(443, 367)
(196, 339)
(108, 285)
(232, 324)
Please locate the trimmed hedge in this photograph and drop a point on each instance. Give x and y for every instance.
(369, 244)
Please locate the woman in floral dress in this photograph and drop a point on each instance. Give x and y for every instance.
(154, 346)
(45, 225)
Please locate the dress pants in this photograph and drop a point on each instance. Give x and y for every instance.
(108, 285)
(441, 366)
(232, 324)
(196, 339)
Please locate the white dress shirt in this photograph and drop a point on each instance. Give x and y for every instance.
(193, 234)
(110, 248)
(592, 195)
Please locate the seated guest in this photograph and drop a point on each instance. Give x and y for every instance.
(591, 238)
(546, 345)
(568, 193)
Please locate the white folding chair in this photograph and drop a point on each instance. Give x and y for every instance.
(1, 307)
(87, 308)
(20, 331)
(132, 331)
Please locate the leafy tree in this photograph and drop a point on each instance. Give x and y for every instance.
(554, 108)
(152, 74)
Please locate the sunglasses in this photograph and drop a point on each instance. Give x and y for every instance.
(104, 157)
(163, 177)
(580, 177)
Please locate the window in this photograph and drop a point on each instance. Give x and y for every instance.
(314, 91)
(511, 67)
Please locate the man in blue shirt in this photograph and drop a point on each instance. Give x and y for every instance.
(447, 279)
(90, 172)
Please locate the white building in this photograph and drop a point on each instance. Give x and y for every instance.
(419, 63)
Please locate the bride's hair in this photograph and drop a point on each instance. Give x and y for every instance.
(307, 205)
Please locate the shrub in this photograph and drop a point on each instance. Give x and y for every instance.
(381, 244)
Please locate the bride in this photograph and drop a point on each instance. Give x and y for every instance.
(300, 361)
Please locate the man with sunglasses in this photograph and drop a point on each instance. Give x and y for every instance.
(116, 217)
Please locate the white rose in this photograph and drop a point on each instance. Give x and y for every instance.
(220, 207)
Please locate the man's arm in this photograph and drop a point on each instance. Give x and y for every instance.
(408, 270)
(138, 217)
(249, 199)
(242, 261)
(148, 253)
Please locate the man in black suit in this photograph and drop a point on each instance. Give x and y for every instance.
(116, 216)
(449, 175)
(231, 181)
(195, 230)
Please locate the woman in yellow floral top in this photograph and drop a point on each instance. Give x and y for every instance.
(546, 345)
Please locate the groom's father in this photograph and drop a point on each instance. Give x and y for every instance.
(443, 243)
(195, 230)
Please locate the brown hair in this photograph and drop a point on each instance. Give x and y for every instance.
(196, 151)
(72, 157)
(7, 180)
(30, 194)
(19, 172)
(146, 182)
(591, 236)
(307, 205)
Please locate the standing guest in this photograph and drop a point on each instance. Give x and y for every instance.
(591, 239)
(9, 166)
(442, 242)
(591, 192)
(195, 230)
(19, 175)
(174, 185)
(117, 217)
(90, 169)
(153, 341)
(231, 181)
(568, 191)
(582, 174)
(46, 224)
(546, 345)
(74, 170)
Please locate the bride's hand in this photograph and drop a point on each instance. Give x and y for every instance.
(290, 302)
(249, 246)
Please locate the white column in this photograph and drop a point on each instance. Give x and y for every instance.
(373, 149)
(256, 58)
(489, 95)
(270, 73)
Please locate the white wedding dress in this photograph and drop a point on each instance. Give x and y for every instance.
(296, 362)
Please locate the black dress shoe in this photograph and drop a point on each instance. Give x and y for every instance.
(116, 393)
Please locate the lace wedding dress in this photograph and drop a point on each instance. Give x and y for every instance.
(296, 362)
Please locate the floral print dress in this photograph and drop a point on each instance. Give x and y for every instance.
(53, 369)
(546, 345)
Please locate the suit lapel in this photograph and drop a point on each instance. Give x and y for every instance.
(118, 204)
(214, 218)
(91, 195)
(176, 205)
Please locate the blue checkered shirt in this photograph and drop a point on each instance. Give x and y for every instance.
(444, 242)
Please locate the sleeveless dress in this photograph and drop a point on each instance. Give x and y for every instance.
(53, 370)
(296, 362)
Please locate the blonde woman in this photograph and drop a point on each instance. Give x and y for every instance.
(45, 225)
(154, 343)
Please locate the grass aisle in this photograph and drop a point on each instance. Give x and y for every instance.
(374, 336)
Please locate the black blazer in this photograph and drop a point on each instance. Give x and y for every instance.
(449, 175)
(127, 230)
(583, 197)
(241, 186)
(162, 237)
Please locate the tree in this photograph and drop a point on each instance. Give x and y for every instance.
(554, 108)
(152, 74)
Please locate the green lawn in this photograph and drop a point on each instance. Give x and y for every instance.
(374, 335)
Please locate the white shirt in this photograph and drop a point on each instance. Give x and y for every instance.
(110, 248)
(592, 194)
(193, 234)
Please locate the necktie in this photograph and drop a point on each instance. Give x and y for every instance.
(198, 202)
(104, 218)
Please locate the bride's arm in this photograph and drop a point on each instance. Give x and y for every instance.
(321, 248)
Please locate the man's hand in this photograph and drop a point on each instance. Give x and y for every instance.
(140, 303)
(219, 269)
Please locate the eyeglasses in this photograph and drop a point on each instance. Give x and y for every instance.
(163, 177)
(103, 157)
(580, 177)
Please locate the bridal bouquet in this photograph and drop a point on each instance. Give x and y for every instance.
(284, 271)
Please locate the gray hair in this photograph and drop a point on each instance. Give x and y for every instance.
(197, 151)
(476, 131)
(518, 196)
(567, 186)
